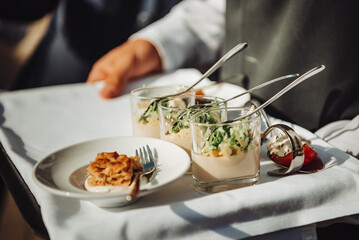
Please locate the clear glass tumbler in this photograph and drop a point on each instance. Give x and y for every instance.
(174, 117)
(225, 155)
(144, 108)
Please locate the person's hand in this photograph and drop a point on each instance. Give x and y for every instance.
(133, 59)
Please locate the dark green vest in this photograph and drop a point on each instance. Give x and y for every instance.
(293, 36)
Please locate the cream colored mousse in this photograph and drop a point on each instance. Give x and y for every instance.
(211, 168)
(182, 139)
(146, 129)
(280, 145)
(143, 128)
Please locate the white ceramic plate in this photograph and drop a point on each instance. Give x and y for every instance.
(63, 172)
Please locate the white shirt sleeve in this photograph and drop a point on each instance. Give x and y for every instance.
(343, 134)
(189, 35)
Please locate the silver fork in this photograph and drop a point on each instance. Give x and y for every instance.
(149, 167)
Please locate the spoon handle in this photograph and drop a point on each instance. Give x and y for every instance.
(262, 85)
(243, 93)
(238, 48)
(184, 112)
(217, 65)
(300, 79)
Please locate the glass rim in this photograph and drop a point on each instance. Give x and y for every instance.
(132, 92)
(255, 118)
(187, 95)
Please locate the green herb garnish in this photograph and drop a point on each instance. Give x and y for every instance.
(149, 112)
(234, 137)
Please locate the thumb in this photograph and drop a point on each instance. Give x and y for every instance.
(95, 76)
(116, 82)
(111, 89)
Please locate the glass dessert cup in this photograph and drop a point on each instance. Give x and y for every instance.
(174, 117)
(145, 117)
(224, 155)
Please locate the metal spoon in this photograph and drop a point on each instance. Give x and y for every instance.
(238, 48)
(297, 150)
(237, 96)
(296, 165)
(300, 79)
(314, 166)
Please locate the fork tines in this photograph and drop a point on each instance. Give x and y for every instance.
(146, 157)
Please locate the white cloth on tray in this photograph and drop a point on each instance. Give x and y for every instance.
(36, 122)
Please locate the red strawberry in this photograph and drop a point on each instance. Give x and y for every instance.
(309, 155)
